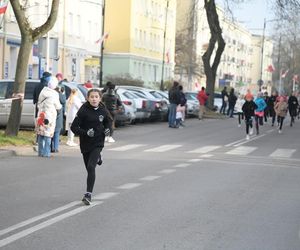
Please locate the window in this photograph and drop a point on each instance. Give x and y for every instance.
(29, 88)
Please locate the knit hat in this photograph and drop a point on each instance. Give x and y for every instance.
(53, 82)
(248, 96)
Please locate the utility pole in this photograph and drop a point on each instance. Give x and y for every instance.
(164, 49)
(102, 46)
(47, 40)
(260, 81)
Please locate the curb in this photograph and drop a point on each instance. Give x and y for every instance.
(7, 153)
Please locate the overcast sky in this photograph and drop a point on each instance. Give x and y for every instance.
(252, 13)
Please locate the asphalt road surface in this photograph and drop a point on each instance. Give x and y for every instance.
(202, 187)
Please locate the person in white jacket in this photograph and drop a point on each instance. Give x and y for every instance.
(73, 105)
(49, 104)
(238, 106)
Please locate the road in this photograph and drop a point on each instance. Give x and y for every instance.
(203, 187)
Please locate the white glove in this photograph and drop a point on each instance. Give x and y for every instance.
(107, 132)
(90, 132)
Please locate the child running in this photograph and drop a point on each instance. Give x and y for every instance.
(239, 104)
(281, 108)
(92, 124)
(259, 111)
(248, 109)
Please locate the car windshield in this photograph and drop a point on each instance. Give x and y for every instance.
(191, 96)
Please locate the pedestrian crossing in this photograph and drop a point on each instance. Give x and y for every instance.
(204, 150)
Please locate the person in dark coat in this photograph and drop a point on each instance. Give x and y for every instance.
(271, 103)
(112, 103)
(224, 100)
(92, 124)
(174, 99)
(38, 88)
(293, 107)
(231, 103)
(249, 108)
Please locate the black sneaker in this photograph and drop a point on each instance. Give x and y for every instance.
(87, 199)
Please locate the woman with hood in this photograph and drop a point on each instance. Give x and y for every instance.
(49, 104)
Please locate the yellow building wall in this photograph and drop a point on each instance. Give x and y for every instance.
(117, 24)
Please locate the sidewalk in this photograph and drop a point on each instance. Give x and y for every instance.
(9, 151)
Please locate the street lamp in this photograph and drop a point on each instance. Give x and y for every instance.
(102, 46)
(260, 81)
(164, 49)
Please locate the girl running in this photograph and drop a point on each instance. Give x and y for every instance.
(239, 104)
(92, 124)
(281, 111)
(259, 112)
(248, 109)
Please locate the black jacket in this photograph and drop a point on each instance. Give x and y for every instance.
(249, 108)
(111, 100)
(89, 117)
(174, 95)
(293, 103)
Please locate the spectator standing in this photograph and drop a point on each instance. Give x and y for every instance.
(231, 103)
(73, 105)
(202, 97)
(182, 105)
(112, 103)
(224, 100)
(88, 84)
(174, 99)
(49, 104)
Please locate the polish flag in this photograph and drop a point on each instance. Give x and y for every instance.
(270, 68)
(284, 73)
(3, 6)
(296, 78)
(103, 38)
(168, 57)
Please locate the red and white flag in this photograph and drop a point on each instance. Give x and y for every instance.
(102, 39)
(296, 78)
(3, 6)
(271, 68)
(284, 73)
(168, 57)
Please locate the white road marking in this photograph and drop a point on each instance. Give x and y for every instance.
(45, 224)
(163, 148)
(252, 139)
(283, 153)
(242, 150)
(129, 185)
(167, 171)
(104, 196)
(235, 142)
(150, 178)
(195, 160)
(270, 131)
(127, 147)
(207, 156)
(204, 150)
(37, 218)
(182, 165)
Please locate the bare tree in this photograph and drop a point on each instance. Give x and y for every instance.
(217, 45)
(28, 37)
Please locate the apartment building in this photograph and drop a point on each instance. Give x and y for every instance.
(74, 51)
(241, 60)
(141, 39)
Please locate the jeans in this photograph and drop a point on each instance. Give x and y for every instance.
(44, 146)
(223, 108)
(55, 142)
(172, 114)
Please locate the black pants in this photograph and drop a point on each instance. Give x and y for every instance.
(280, 120)
(90, 161)
(240, 116)
(223, 108)
(258, 122)
(248, 121)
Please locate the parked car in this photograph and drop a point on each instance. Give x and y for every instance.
(192, 103)
(158, 106)
(27, 116)
(217, 101)
(128, 104)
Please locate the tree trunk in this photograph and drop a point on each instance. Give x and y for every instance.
(28, 36)
(14, 119)
(216, 38)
